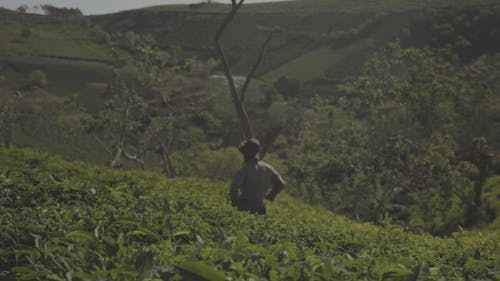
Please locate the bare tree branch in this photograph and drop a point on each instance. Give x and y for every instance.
(125, 121)
(134, 158)
(255, 66)
(168, 167)
(218, 34)
(116, 158)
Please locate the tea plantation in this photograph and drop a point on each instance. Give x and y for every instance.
(71, 221)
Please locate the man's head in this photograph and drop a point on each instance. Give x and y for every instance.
(250, 148)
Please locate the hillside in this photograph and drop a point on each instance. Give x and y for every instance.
(320, 43)
(382, 111)
(70, 221)
(299, 28)
(314, 41)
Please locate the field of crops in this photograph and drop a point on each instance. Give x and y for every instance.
(34, 35)
(70, 221)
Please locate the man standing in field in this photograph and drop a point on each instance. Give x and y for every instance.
(251, 184)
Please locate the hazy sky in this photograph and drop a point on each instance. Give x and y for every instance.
(103, 6)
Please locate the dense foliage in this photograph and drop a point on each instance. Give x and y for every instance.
(70, 221)
(411, 140)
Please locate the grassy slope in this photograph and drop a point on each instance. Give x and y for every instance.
(60, 217)
(316, 63)
(49, 39)
(74, 63)
(65, 52)
(53, 46)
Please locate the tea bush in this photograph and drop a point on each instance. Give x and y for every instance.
(71, 221)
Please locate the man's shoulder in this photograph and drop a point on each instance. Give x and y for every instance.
(264, 164)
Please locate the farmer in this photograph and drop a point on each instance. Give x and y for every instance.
(251, 184)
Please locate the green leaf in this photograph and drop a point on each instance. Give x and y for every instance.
(204, 271)
(21, 269)
(27, 273)
(149, 233)
(57, 278)
(82, 275)
(397, 273)
(80, 236)
(126, 222)
(145, 232)
(33, 275)
(181, 233)
(317, 266)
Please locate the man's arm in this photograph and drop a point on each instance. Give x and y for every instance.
(277, 185)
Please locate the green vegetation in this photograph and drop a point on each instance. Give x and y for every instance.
(70, 221)
(36, 36)
(491, 199)
(406, 142)
(316, 63)
(402, 133)
(303, 29)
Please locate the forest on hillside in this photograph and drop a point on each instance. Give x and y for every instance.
(398, 125)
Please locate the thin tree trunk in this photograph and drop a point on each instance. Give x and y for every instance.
(238, 104)
(238, 98)
(167, 162)
(135, 158)
(116, 158)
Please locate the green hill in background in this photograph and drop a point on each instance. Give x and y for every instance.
(317, 42)
(330, 39)
(299, 27)
(63, 220)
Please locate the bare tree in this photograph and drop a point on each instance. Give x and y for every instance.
(238, 96)
(120, 125)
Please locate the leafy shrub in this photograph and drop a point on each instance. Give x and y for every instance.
(491, 200)
(218, 164)
(64, 221)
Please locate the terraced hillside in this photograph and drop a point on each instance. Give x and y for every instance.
(70, 221)
(295, 32)
(317, 42)
(313, 40)
(69, 51)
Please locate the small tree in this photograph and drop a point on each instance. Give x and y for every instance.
(120, 125)
(56, 11)
(159, 138)
(22, 9)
